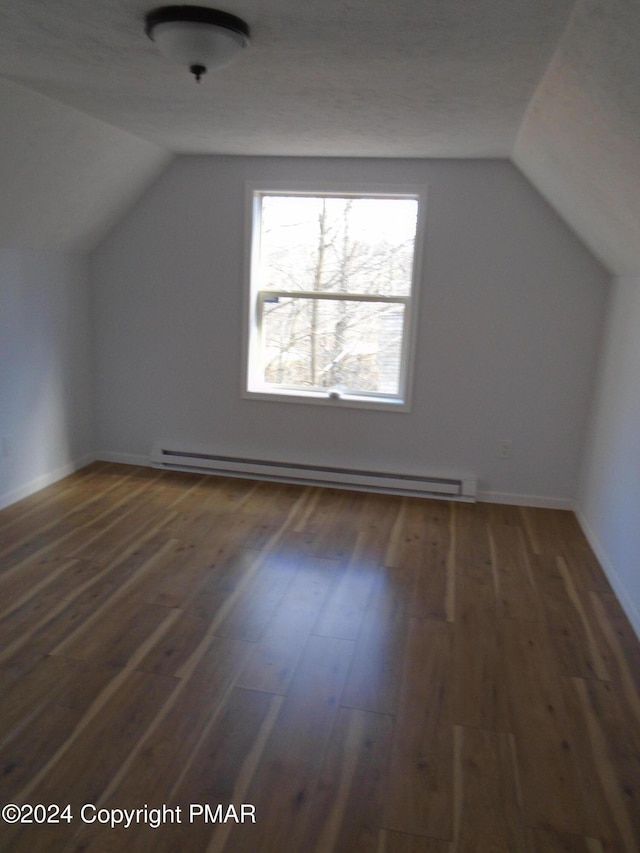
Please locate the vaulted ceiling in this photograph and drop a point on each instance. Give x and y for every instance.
(91, 112)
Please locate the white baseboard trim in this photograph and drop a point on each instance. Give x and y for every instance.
(123, 458)
(626, 602)
(144, 461)
(525, 500)
(487, 497)
(43, 481)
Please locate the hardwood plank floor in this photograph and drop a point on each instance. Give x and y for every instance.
(356, 672)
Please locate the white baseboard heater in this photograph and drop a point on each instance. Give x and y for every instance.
(448, 488)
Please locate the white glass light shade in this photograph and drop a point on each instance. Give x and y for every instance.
(196, 36)
(193, 43)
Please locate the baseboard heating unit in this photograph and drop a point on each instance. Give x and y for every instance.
(447, 488)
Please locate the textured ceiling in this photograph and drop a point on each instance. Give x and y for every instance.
(580, 141)
(417, 78)
(65, 178)
(91, 111)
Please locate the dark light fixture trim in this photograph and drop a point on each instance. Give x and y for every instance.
(200, 36)
(195, 14)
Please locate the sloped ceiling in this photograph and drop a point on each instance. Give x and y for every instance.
(65, 177)
(580, 141)
(94, 111)
(408, 78)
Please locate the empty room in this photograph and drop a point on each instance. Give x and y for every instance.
(320, 426)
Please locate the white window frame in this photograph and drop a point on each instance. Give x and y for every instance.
(252, 386)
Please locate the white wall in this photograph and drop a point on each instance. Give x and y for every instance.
(45, 381)
(610, 493)
(510, 318)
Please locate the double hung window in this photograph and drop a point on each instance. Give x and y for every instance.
(332, 296)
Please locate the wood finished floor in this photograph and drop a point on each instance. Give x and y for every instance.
(372, 673)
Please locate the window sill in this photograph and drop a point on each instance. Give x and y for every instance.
(329, 399)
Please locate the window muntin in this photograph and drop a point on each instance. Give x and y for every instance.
(332, 296)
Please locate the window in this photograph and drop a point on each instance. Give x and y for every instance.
(332, 303)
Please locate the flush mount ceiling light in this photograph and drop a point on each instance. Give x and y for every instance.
(197, 37)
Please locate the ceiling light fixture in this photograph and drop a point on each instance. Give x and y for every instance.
(197, 37)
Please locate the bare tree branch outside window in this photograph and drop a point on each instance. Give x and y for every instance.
(336, 277)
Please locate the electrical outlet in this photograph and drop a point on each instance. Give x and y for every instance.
(506, 448)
